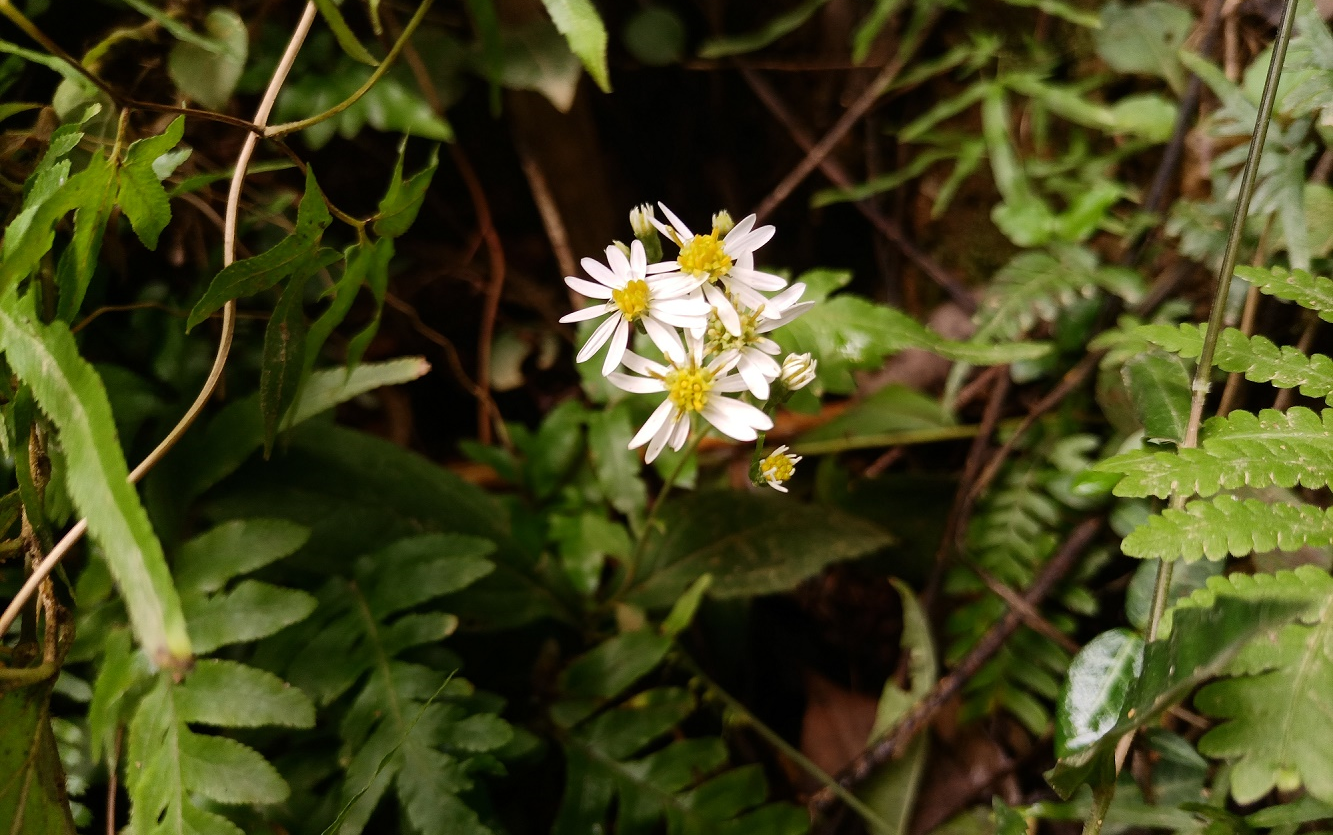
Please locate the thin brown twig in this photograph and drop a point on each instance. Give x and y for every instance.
(839, 177)
(896, 740)
(552, 221)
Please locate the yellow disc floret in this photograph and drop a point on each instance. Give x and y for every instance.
(778, 467)
(704, 256)
(688, 386)
(719, 339)
(633, 299)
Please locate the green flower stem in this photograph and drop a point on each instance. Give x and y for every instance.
(632, 565)
(871, 817)
(302, 124)
(907, 437)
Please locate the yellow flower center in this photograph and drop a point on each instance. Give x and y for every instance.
(688, 387)
(633, 299)
(704, 256)
(778, 467)
(719, 339)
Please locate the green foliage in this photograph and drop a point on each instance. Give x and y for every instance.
(1256, 357)
(207, 69)
(1313, 292)
(1036, 286)
(776, 27)
(1226, 526)
(1094, 693)
(582, 26)
(32, 795)
(1160, 387)
(346, 39)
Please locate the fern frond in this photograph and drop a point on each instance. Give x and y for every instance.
(1278, 700)
(1282, 449)
(1227, 526)
(1257, 357)
(1036, 286)
(1313, 292)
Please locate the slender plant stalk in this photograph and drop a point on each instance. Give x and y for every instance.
(301, 124)
(632, 566)
(1199, 387)
(49, 562)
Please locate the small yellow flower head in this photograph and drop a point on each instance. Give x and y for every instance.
(704, 257)
(798, 371)
(688, 386)
(722, 223)
(718, 339)
(633, 299)
(778, 467)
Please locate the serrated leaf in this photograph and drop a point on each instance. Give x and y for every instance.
(1036, 286)
(776, 27)
(614, 665)
(1159, 386)
(250, 611)
(252, 275)
(32, 793)
(400, 204)
(120, 671)
(364, 263)
(69, 391)
(1273, 448)
(1093, 695)
(1313, 292)
(209, 76)
(1256, 357)
(1227, 526)
(751, 544)
(141, 196)
(75, 270)
(284, 352)
(415, 570)
(228, 694)
(582, 26)
(343, 33)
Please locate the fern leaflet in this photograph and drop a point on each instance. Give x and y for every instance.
(1256, 357)
(1227, 526)
(1036, 286)
(1313, 292)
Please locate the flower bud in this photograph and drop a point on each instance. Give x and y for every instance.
(722, 223)
(641, 221)
(798, 371)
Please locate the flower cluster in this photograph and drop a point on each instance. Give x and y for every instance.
(708, 311)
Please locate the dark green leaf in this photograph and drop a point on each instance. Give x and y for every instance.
(1159, 385)
(614, 665)
(776, 27)
(231, 695)
(142, 197)
(616, 466)
(412, 571)
(398, 209)
(1095, 690)
(208, 561)
(869, 28)
(655, 35)
(284, 354)
(250, 276)
(32, 791)
(1144, 38)
(69, 391)
(250, 611)
(343, 33)
(752, 544)
(79, 259)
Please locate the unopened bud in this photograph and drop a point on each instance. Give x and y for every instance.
(641, 221)
(798, 371)
(622, 246)
(722, 223)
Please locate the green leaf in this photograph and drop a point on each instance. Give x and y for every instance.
(892, 788)
(33, 798)
(487, 25)
(615, 465)
(400, 204)
(1273, 448)
(1059, 9)
(894, 408)
(141, 196)
(1037, 286)
(869, 28)
(1093, 695)
(783, 24)
(614, 665)
(579, 22)
(537, 57)
(248, 612)
(584, 542)
(284, 354)
(209, 76)
(1144, 38)
(655, 36)
(79, 260)
(1203, 641)
(1226, 526)
(343, 33)
(178, 30)
(751, 544)
(1256, 357)
(120, 671)
(228, 694)
(1313, 292)
(1295, 813)
(683, 610)
(1159, 385)
(252, 275)
(69, 391)
(231, 549)
(413, 571)
(361, 261)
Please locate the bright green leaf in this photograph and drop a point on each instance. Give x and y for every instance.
(582, 26)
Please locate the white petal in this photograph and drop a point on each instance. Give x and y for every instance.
(766, 364)
(681, 229)
(616, 260)
(681, 434)
(769, 347)
(730, 383)
(638, 259)
(749, 296)
(754, 378)
(634, 385)
(642, 365)
(750, 242)
(663, 436)
(787, 297)
(741, 229)
(599, 272)
(599, 336)
(666, 339)
(725, 311)
(588, 288)
(668, 287)
(735, 419)
(584, 314)
(652, 424)
(777, 486)
(781, 318)
(756, 279)
(619, 341)
(663, 267)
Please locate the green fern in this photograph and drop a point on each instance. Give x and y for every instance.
(1037, 286)
(171, 767)
(615, 759)
(1279, 696)
(1313, 292)
(1241, 450)
(1256, 357)
(408, 725)
(1227, 526)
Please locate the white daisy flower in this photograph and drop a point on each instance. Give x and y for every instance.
(755, 352)
(692, 387)
(778, 467)
(728, 260)
(660, 303)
